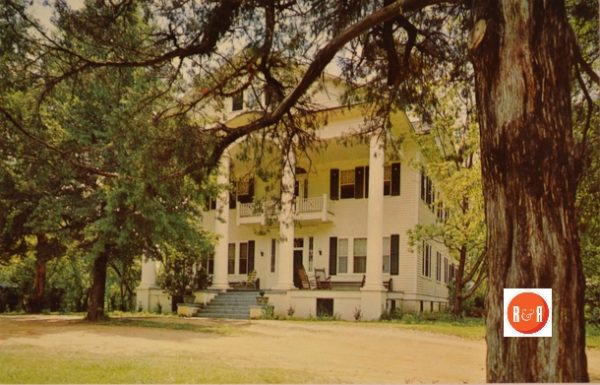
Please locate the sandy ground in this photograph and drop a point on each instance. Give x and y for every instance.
(357, 353)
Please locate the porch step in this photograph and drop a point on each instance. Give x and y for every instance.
(231, 304)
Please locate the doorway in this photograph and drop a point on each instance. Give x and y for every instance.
(298, 260)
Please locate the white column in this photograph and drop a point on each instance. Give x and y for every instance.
(219, 281)
(285, 257)
(374, 274)
(148, 273)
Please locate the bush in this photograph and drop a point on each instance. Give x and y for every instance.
(389, 315)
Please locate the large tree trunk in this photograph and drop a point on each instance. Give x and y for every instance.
(530, 172)
(459, 284)
(42, 255)
(95, 309)
(36, 301)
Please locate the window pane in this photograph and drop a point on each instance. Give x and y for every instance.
(298, 242)
(386, 263)
(360, 247)
(386, 246)
(343, 247)
(360, 264)
(387, 173)
(347, 191)
(342, 264)
(347, 177)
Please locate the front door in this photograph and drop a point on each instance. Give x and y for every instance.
(297, 263)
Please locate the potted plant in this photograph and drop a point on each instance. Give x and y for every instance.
(262, 300)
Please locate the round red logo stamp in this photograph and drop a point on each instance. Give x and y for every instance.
(528, 313)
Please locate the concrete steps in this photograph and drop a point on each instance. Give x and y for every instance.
(231, 304)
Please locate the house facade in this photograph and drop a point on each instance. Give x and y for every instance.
(343, 206)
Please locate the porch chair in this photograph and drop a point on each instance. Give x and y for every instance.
(323, 281)
(304, 281)
(251, 280)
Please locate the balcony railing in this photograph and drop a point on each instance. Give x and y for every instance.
(246, 210)
(306, 209)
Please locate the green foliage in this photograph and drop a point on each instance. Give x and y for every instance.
(182, 271)
(393, 314)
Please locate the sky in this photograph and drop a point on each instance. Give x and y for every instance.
(41, 11)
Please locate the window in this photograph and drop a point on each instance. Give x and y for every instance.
(438, 266)
(243, 258)
(237, 101)
(451, 272)
(386, 254)
(391, 179)
(360, 255)
(387, 180)
(426, 267)
(446, 269)
(351, 183)
(245, 190)
(273, 254)
(231, 258)
(342, 257)
(347, 178)
(427, 190)
(324, 307)
(210, 204)
(442, 213)
(246, 257)
(208, 261)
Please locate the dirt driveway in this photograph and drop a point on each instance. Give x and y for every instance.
(346, 352)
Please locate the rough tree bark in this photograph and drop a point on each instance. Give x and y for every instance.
(43, 253)
(95, 309)
(530, 168)
(459, 284)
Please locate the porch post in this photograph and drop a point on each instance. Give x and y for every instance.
(284, 266)
(219, 281)
(147, 284)
(374, 274)
(148, 279)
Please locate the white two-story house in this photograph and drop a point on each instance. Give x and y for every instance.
(343, 206)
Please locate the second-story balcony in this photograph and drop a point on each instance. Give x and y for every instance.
(312, 209)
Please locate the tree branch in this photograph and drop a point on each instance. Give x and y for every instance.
(322, 58)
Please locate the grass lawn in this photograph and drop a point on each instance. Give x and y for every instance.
(32, 365)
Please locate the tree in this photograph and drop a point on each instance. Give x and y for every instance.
(531, 167)
(529, 157)
(450, 148)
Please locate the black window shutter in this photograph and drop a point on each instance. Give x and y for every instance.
(396, 179)
(359, 182)
(332, 255)
(366, 181)
(334, 184)
(394, 254)
(250, 256)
